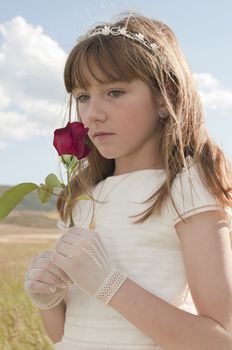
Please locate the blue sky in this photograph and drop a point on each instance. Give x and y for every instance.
(35, 38)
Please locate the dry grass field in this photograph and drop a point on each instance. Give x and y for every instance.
(22, 236)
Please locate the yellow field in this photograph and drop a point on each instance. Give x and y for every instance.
(20, 325)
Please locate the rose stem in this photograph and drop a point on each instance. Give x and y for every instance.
(69, 199)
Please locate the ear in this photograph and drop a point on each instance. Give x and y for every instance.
(163, 112)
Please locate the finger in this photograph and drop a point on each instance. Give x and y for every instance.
(34, 259)
(40, 287)
(91, 251)
(74, 239)
(97, 253)
(78, 231)
(83, 244)
(46, 254)
(48, 265)
(70, 238)
(45, 276)
(77, 235)
(65, 249)
(94, 240)
(60, 260)
(56, 270)
(42, 262)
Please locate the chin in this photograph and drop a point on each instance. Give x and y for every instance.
(108, 155)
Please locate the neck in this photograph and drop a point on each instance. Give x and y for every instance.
(120, 170)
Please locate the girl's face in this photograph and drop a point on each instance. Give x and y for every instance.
(128, 111)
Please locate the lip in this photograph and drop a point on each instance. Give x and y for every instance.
(102, 134)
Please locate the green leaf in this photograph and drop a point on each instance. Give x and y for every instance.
(44, 193)
(52, 181)
(13, 196)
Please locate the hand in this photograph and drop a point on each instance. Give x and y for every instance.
(81, 254)
(45, 282)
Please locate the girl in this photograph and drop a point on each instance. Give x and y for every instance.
(148, 264)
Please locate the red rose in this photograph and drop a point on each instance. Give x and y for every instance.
(71, 140)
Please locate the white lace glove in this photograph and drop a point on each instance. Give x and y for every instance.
(45, 282)
(83, 257)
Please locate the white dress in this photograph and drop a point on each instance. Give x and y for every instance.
(150, 253)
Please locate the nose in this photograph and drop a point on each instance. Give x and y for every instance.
(95, 111)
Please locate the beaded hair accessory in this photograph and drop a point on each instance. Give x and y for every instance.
(107, 30)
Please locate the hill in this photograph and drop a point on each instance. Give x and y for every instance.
(32, 203)
(26, 218)
(31, 219)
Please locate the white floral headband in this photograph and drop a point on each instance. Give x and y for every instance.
(107, 30)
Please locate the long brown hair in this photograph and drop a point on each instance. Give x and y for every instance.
(167, 73)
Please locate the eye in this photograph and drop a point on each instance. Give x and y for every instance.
(116, 93)
(82, 98)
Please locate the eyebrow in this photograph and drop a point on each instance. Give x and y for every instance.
(105, 84)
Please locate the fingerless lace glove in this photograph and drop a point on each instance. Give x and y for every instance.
(45, 282)
(81, 254)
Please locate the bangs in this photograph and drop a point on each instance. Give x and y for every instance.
(106, 59)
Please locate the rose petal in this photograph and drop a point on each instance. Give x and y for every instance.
(62, 141)
(71, 140)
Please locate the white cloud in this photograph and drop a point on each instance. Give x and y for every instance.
(218, 99)
(214, 97)
(205, 81)
(5, 98)
(31, 89)
(11, 120)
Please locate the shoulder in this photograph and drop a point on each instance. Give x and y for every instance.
(191, 195)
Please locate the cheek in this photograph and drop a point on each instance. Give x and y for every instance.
(140, 122)
(81, 112)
